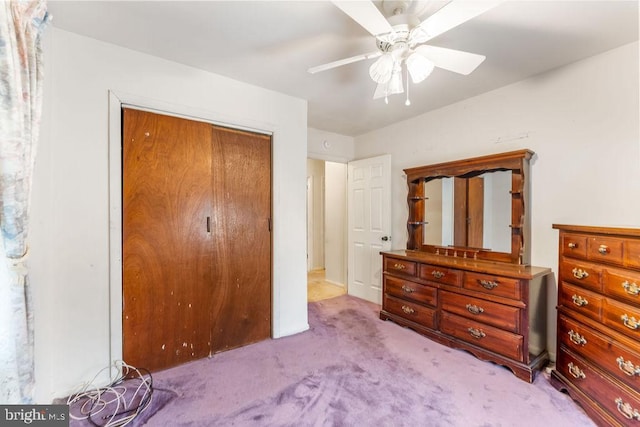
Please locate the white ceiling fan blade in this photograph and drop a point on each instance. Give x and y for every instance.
(453, 60)
(344, 61)
(366, 14)
(450, 16)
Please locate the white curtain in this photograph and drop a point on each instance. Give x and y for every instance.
(21, 26)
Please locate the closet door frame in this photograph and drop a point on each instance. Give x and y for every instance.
(117, 101)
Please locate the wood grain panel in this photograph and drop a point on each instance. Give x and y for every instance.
(475, 212)
(166, 248)
(241, 179)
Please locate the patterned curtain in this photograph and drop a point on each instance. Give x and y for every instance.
(21, 26)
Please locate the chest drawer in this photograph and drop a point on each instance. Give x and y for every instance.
(632, 253)
(623, 318)
(415, 312)
(618, 400)
(622, 284)
(394, 265)
(573, 245)
(447, 276)
(494, 285)
(584, 274)
(581, 300)
(488, 337)
(605, 249)
(410, 290)
(491, 313)
(617, 359)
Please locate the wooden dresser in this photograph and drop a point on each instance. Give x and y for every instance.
(598, 360)
(496, 311)
(465, 279)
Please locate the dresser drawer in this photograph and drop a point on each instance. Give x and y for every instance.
(394, 265)
(488, 337)
(410, 290)
(494, 285)
(581, 273)
(580, 300)
(573, 245)
(623, 318)
(622, 284)
(491, 313)
(615, 398)
(605, 249)
(632, 253)
(410, 311)
(610, 355)
(440, 274)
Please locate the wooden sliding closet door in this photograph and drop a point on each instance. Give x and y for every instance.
(196, 239)
(241, 181)
(166, 249)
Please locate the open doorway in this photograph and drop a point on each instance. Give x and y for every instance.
(326, 229)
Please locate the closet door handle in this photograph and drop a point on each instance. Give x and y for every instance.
(208, 224)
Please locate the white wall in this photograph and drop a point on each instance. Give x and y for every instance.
(72, 223)
(582, 120)
(329, 146)
(335, 223)
(315, 214)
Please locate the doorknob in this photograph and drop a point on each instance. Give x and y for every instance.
(385, 238)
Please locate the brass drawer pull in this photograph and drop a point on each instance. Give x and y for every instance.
(408, 310)
(576, 338)
(627, 410)
(628, 367)
(631, 288)
(630, 322)
(579, 301)
(603, 249)
(576, 372)
(399, 266)
(474, 309)
(437, 274)
(572, 245)
(408, 289)
(476, 333)
(487, 284)
(579, 273)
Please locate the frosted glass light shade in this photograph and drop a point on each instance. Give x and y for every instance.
(419, 67)
(380, 71)
(395, 83)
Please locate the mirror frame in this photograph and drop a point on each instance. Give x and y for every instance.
(518, 162)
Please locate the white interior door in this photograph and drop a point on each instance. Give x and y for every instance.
(369, 211)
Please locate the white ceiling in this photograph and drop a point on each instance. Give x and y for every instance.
(272, 43)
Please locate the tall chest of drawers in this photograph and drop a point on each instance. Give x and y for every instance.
(598, 352)
(496, 311)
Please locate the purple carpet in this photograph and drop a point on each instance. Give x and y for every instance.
(352, 369)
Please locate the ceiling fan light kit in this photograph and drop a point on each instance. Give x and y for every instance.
(400, 41)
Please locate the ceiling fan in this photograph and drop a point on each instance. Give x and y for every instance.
(400, 40)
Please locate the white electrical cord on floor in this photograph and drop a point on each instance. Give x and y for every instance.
(108, 405)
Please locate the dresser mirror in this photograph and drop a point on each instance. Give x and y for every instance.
(472, 212)
(472, 208)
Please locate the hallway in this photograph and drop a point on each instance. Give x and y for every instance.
(319, 289)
